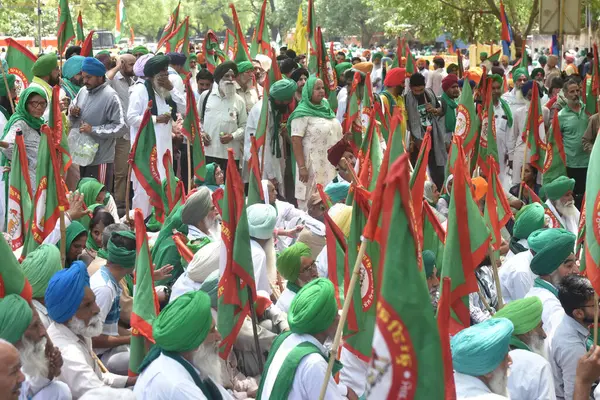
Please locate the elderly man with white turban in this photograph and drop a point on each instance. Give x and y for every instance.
(21, 326)
(261, 222)
(481, 360)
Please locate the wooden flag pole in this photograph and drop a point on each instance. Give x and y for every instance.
(127, 190)
(10, 99)
(255, 330)
(340, 327)
(189, 162)
(522, 172)
(494, 260)
(63, 235)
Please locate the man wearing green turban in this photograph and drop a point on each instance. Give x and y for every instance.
(297, 360)
(110, 347)
(5, 96)
(561, 202)
(433, 281)
(46, 75)
(529, 219)
(530, 372)
(139, 51)
(296, 265)
(22, 327)
(38, 267)
(184, 363)
(551, 264)
(245, 84)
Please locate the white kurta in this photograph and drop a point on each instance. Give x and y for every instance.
(516, 278)
(552, 309)
(318, 135)
(166, 379)
(530, 377)
(183, 285)
(471, 387)
(354, 373)
(569, 223)
(503, 132)
(259, 261)
(138, 102)
(510, 254)
(44, 389)
(309, 374)
(285, 300)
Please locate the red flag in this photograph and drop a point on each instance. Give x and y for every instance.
(443, 323)
(180, 241)
(86, 47)
(504, 21)
(417, 180)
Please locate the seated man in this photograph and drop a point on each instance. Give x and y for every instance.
(205, 261)
(21, 326)
(296, 265)
(11, 377)
(562, 204)
(313, 318)
(530, 373)
(480, 358)
(551, 264)
(261, 222)
(184, 363)
(72, 306)
(112, 348)
(529, 218)
(341, 156)
(568, 341)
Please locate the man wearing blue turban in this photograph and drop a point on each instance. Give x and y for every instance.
(71, 304)
(480, 359)
(72, 78)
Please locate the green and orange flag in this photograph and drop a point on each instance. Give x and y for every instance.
(65, 32)
(241, 48)
(434, 235)
(145, 302)
(274, 73)
(467, 240)
(467, 122)
(488, 146)
(236, 285)
(418, 177)
(592, 86)
(20, 196)
(352, 123)
(12, 279)
(191, 130)
(313, 48)
(86, 46)
(592, 226)
(497, 210)
(58, 129)
(263, 119)
(80, 35)
(534, 130)
(178, 41)
(174, 190)
(580, 243)
(256, 195)
(326, 72)
(260, 39)
(370, 157)
(20, 63)
(410, 65)
(143, 159)
(211, 50)
(170, 27)
(555, 164)
(398, 55)
(406, 345)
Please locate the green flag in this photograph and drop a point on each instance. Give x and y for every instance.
(191, 130)
(144, 163)
(12, 279)
(20, 63)
(497, 209)
(260, 39)
(467, 122)
(326, 72)
(398, 55)
(211, 50)
(238, 271)
(352, 122)
(467, 240)
(80, 34)
(263, 119)
(488, 146)
(178, 41)
(170, 27)
(555, 164)
(65, 32)
(255, 189)
(370, 157)
(313, 49)
(532, 135)
(406, 345)
(145, 302)
(19, 207)
(241, 48)
(173, 190)
(434, 235)
(592, 230)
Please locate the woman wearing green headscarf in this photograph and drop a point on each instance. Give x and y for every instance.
(214, 177)
(314, 129)
(76, 237)
(95, 192)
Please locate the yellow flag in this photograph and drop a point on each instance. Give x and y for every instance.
(300, 43)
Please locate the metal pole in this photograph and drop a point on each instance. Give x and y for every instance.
(39, 21)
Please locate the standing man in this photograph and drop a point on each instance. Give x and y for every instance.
(551, 70)
(121, 79)
(72, 79)
(176, 69)
(165, 105)
(193, 63)
(45, 76)
(392, 95)
(377, 72)
(573, 122)
(448, 100)
(224, 117)
(97, 112)
(504, 124)
(434, 81)
(244, 85)
(422, 67)
(515, 143)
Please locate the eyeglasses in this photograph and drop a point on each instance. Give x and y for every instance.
(38, 104)
(311, 267)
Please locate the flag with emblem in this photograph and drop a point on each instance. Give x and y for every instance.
(144, 163)
(237, 271)
(370, 157)
(20, 195)
(20, 63)
(326, 72)
(174, 190)
(211, 50)
(555, 164)
(178, 41)
(488, 146)
(434, 234)
(467, 240)
(65, 32)
(406, 347)
(191, 130)
(467, 121)
(399, 46)
(145, 302)
(80, 35)
(352, 122)
(313, 49)
(418, 177)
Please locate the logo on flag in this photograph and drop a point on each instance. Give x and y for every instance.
(463, 121)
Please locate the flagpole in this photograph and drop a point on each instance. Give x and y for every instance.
(340, 327)
(63, 235)
(494, 260)
(12, 105)
(595, 318)
(189, 162)
(522, 172)
(127, 190)
(255, 330)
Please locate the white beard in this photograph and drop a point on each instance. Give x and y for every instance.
(207, 360)
(227, 88)
(162, 92)
(567, 209)
(271, 261)
(538, 346)
(519, 95)
(33, 358)
(214, 227)
(79, 328)
(498, 382)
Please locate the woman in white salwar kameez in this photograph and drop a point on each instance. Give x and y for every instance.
(314, 129)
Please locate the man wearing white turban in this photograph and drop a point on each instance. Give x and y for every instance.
(205, 261)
